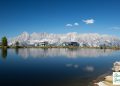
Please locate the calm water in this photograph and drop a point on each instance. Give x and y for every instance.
(54, 67)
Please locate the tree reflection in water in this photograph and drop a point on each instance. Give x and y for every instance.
(17, 51)
(4, 53)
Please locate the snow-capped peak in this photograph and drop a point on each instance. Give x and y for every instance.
(89, 39)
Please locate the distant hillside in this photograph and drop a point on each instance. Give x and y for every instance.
(88, 39)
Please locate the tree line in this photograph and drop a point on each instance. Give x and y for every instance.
(4, 42)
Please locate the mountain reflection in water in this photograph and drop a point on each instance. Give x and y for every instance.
(54, 66)
(70, 53)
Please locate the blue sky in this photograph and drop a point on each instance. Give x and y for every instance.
(59, 16)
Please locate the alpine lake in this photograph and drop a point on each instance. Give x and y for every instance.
(54, 66)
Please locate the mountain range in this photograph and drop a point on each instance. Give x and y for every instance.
(88, 39)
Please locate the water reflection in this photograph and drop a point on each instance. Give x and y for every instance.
(4, 53)
(16, 50)
(72, 65)
(55, 71)
(71, 53)
(69, 65)
(89, 68)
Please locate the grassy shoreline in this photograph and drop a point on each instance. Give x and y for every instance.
(114, 48)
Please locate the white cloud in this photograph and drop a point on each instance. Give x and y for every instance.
(115, 28)
(89, 21)
(76, 24)
(69, 25)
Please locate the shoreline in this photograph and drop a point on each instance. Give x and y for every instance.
(107, 79)
(69, 47)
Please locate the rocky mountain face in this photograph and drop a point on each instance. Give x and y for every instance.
(88, 39)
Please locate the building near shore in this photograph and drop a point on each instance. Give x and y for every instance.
(45, 43)
(70, 44)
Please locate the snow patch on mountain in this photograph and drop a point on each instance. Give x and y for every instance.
(88, 39)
